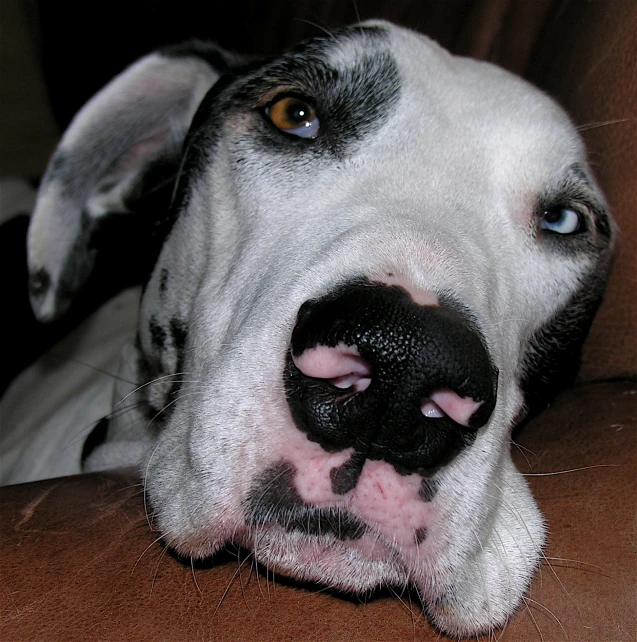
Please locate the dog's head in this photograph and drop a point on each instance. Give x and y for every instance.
(378, 258)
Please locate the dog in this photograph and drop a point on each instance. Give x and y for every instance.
(370, 261)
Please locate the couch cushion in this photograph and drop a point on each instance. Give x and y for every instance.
(80, 561)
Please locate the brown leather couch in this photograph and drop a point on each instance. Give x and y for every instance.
(79, 559)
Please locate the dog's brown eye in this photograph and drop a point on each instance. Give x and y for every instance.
(294, 116)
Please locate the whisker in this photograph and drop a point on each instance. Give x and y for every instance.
(163, 410)
(358, 15)
(145, 485)
(578, 563)
(485, 590)
(406, 607)
(151, 545)
(325, 30)
(94, 368)
(249, 557)
(571, 470)
(149, 383)
(230, 583)
(547, 610)
(540, 550)
(528, 610)
(521, 449)
(163, 553)
(85, 431)
(254, 568)
(167, 181)
(192, 568)
(603, 123)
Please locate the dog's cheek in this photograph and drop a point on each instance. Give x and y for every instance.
(196, 509)
(479, 592)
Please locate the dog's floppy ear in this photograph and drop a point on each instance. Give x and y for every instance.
(137, 123)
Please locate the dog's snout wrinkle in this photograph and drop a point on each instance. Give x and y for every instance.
(371, 369)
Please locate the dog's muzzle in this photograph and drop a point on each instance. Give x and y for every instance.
(372, 370)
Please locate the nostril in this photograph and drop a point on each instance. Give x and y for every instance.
(446, 403)
(341, 365)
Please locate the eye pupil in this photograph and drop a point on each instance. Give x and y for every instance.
(554, 215)
(297, 112)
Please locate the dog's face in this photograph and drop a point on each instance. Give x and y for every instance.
(379, 258)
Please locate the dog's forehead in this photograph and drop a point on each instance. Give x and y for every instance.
(481, 109)
(430, 103)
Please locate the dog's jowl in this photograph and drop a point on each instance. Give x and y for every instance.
(372, 259)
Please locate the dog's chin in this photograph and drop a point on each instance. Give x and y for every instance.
(354, 566)
(465, 599)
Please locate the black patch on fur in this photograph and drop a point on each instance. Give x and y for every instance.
(421, 535)
(161, 362)
(39, 283)
(156, 418)
(149, 368)
(579, 173)
(552, 358)
(428, 489)
(157, 334)
(179, 334)
(273, 499)
(95, 438)
(345, 477)
(352, 102)
(79, 260)
(163, 281)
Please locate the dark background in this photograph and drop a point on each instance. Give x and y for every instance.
(84, 44)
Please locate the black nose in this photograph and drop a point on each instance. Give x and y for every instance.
(397, 381)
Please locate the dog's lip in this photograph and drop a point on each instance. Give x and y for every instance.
(371, 545)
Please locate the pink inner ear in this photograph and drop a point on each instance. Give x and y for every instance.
(341, 365)
(138, 154)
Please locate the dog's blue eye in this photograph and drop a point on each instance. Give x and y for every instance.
(562, 220)
(294, 116)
